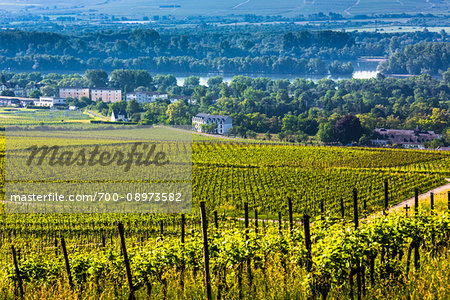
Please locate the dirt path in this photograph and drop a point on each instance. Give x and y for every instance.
(424, 196)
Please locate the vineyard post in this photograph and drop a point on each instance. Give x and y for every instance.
(246, 217)
(322, 209)
(355, 207)
(406, 209)
(256, 221)
(291, 221)
(16, 267)
(161, 227)
(249, 262)
(307, 241)
(279, 222)
(205, 249)
(432, 202)
(386, 196)
(182, 244)
(416, 201)
(125, 258)
(183, 221)
(342, 208)
(66, 261)
(448, 200)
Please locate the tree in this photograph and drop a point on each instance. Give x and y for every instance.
(326, 133)
(8, 93)
(191, 81)
(48, 90)
(177, 113)
(96, 78)
(348, 129)
(35, 94)
(214, 81)
(132, 107)
(130, 79)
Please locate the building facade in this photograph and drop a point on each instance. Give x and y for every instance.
(212, 123)
(405, 138)
(74, 92)
(106, 95)
(144, 97)
(50, 101)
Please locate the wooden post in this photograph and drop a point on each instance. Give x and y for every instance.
(279, 222)
(249, 262)
(205, 250)
(66, 261)
(342, 209)
(183, 222)
(322, 208)
(16, 268)
(406, 209)
(291, 220)
(416, 201)
(161, 227)
(246, 216)
(358, 265)
(448, 200)
(307, 242)
(386, 196)
(216, 219)
(256, 221)
(125, 258)
(355, 207)
(432, 202)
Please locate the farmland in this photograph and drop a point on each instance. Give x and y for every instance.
(220, 8)
(268, 259)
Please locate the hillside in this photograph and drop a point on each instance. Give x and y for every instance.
(347, 8)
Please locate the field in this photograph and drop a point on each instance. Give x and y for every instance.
(237, 7)
(14, 116)
(387, 256)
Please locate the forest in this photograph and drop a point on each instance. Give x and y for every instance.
(226, 50)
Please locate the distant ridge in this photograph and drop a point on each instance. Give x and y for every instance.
(288, 8)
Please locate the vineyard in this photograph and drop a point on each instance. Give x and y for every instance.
(279, 221)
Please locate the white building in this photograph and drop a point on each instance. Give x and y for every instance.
(224, 123)
(50, 101)
(144, 97)
(117, 116)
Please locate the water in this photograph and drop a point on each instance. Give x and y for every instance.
(227, 77)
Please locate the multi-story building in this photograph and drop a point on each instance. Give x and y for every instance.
(73, 92)
(50, 101)
(405, 138)
(212, 123)
(144, 97)
(106, 95)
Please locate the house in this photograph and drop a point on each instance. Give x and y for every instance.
(144, 97)
(117, 116)
(50, 101)
(74, 92)
(106, 95)
(10, 86)
(200, 121)
(405, 138)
